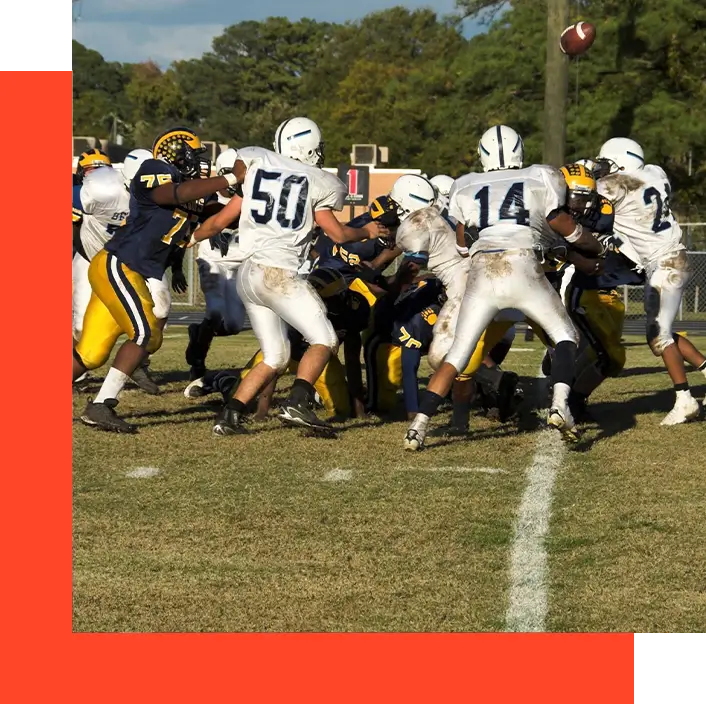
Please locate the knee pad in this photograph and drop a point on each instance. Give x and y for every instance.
(278, 359)
(162, 304)
(155, 340)
(91, 358)
(657, 339)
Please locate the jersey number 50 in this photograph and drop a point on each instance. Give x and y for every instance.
(274, 190)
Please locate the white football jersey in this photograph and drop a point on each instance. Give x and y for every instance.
(211, 251)
(280, 197)
(642, 212)
(509, 207)
(428, 231)
(105, 203)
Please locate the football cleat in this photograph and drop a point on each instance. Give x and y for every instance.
(685, 409)
(229, 422)
(302, 415)
(562, 420)
(195, 389)
(144, 381)
(416, 433)
(414, 440)
(104, 417)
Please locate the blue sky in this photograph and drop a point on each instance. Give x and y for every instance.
(165, 30)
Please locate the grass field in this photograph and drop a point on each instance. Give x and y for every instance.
(275, 531)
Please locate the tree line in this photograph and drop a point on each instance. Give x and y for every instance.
(411, 81)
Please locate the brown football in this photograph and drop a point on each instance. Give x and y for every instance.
(578, 38)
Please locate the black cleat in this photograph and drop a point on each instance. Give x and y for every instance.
(506, 396)
(229, 422)
(104, 417)
(303, 416)
(144, 381)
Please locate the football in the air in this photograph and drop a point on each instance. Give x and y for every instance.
(578, 38)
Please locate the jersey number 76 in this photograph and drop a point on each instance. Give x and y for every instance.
(272, 192)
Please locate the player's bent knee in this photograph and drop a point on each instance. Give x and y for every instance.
(278, 358)
(91, 358)
(658, 340)
(155, 340)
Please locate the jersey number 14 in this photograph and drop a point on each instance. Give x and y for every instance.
(273, 190)
(512, 208)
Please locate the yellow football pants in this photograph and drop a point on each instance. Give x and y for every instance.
(120, 303)
(331, 386)
(599, 316)
(492, 335)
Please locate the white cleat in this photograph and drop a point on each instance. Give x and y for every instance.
(563, 421)
(194, 389)
(416, 434)
(685, 409)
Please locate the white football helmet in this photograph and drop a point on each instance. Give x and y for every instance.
(300, 138)
(625, 153)
(132, 163)
(501, 147)
(225, 162)
(412, 193)
(442, 184)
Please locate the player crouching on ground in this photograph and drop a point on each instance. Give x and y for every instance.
(644, 223)
(166, 191)
(285, 193)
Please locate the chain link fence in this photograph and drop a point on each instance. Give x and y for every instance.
(693, 306)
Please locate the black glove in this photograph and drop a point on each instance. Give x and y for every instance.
(179, 284)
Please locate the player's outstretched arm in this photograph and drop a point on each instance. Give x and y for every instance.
(341, 233)
(563, 224)
(181, 193)
(218, 222)
(461, 247)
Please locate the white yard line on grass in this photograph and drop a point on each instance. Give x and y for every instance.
(338, 475)
(143, 472)
(527, 609)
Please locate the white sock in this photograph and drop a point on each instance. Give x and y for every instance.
(420, 422)
(683, 393)
(112, 386)
(561, 394)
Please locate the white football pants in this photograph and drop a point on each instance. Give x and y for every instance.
(159, 288)
(221, 293)
(500, 280)
(275, 297)
(663, 294)
(447, 320)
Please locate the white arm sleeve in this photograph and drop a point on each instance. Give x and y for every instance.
(555, 189)
(330, 193)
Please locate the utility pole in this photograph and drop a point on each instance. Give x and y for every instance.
(556, 85)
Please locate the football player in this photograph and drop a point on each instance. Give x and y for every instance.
(511, 208)
(100, 205)
(166, 191)
(591, 297)
(218, 261)
(340, 386)
(427, 239)
(401, 338)
(646, 230)
(285, 193)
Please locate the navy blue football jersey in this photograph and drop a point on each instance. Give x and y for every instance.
(416, 332)
(152, 232)
(346, 257)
